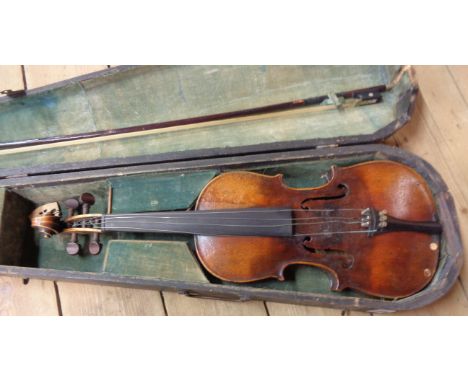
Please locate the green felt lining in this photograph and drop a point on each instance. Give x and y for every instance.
(149, 254)
(165, 192)
(150, 258)
(153, 94)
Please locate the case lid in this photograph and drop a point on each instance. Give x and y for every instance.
(129, 96)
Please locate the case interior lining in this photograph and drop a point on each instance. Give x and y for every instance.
(153, 94)
(148, 255)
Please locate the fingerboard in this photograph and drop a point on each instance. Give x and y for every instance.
(269, 222)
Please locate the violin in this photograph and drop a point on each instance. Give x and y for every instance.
(372, 227)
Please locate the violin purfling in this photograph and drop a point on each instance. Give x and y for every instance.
(372, 227)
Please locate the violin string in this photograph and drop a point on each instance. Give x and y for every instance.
(98, 222)
(179, 215)
(102, 224)
(255, 210)
(295, 235)
(165, 218)
(156, 217)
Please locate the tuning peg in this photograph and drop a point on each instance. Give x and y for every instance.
(72, 247)
(87, 200)
(72, 204)
(94, 245)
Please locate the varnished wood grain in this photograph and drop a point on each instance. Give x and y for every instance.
(36, 298)
(393, 264)
(438, 132)
(99, 300)
(430, 134)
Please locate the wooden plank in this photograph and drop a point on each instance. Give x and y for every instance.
(427, 137)
(438, 133)
(11, 77)
(41, 75)
(441, 112)
(179, 305)
(16, 298)
(356, 313)
(93, 299)
(36, 298)
(278, 309)
(435, 134)
(454, 303)
(460, 78)
(99, 300)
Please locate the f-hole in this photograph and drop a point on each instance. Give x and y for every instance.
(340, 192)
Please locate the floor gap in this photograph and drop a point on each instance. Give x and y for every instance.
(163, 303)
(457, 86)
(57, 297)
(23, 75)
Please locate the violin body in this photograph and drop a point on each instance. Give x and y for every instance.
(372, 227)
(391, 264)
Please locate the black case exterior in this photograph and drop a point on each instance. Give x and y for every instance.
(232, 158)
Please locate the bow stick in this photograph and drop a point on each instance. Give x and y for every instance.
(346, 99)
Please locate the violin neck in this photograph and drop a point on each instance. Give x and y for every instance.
(235, 222)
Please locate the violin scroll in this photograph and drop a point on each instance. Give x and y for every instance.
(47, 219)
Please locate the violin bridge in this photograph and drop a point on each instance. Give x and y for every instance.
(374, 220)
(365, 218)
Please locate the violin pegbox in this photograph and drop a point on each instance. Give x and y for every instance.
(47, 219)
(73, 247)
(79, 221)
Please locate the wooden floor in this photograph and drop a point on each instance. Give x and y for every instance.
(438, 133)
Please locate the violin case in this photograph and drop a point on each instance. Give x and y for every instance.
(167, 169)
